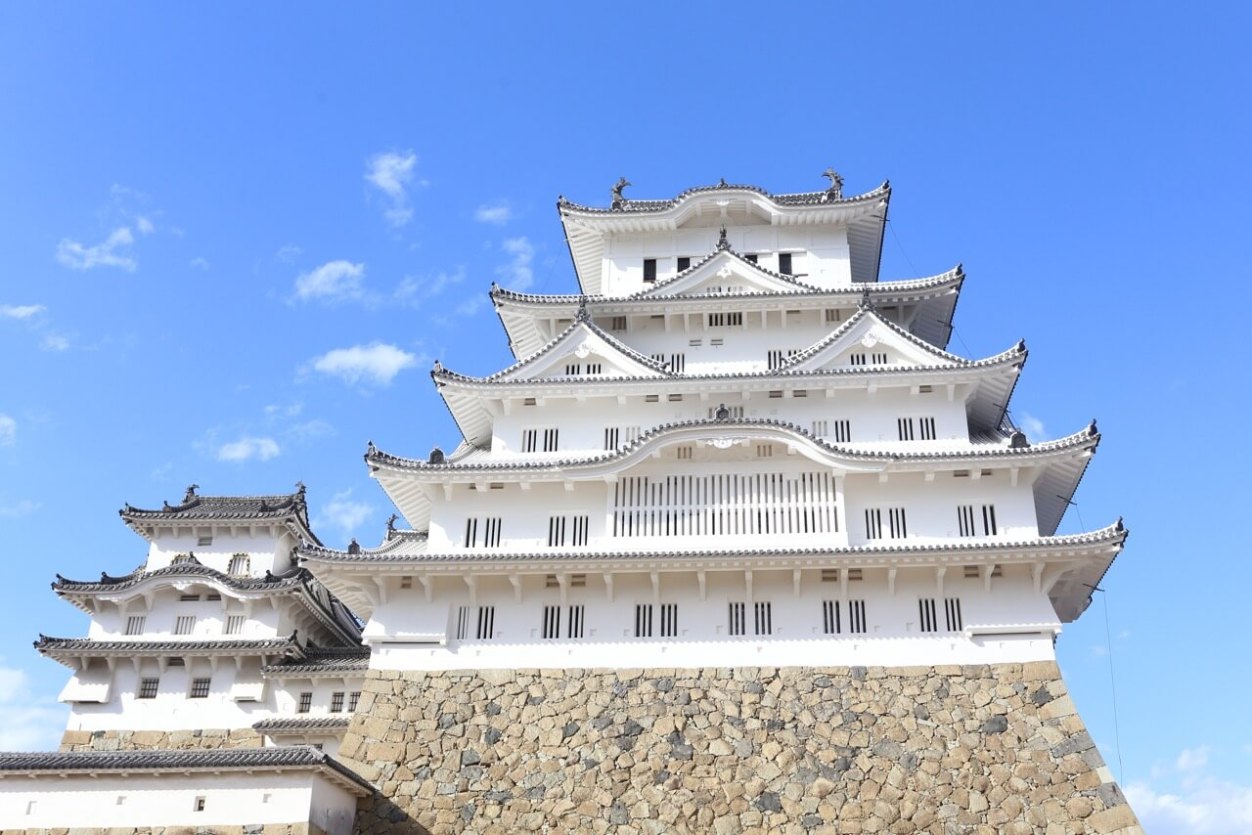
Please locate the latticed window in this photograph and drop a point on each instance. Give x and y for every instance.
(353, 698)
(643, 620)
(240, 564)
(336, 702)
(551, 622)
(831, 624)
(856, 617)
(669, 620)
(764, 612)
(199, 688)
(184, 624)
(485, 532)
(306, 702)
(577, 621)
(234, 624)
(148, 688)
(486, 623)
(135, 624)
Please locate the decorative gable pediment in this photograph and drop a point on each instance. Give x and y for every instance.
(868, 341)
(583, 350)
(722, 273)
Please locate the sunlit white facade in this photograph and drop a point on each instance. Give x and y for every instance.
(735, 445)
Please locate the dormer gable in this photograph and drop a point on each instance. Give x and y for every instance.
(583, 350)
(869, 341)
(725, 272)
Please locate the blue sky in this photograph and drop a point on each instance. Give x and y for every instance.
(234, 239)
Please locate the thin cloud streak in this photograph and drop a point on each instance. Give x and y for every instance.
(391, 173)
(247, 449)
(376, 363)
(333, 281)
(21, 311)
(498, 214)
(108, 253)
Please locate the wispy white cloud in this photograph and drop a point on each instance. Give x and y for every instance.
(1192, 759)
(201, 264)
(392, 173)
(278, 410)
(288, 253)
(30, 723)
(1202, 806)
(376, 363)
(20, 311)
(343, 513)
(54, 342)
(498, 213)
(1033, 427)
(248, 448)
(333, 281)
(22, 507)
(144, 225)
(517, 273)
(414, 290)
(309, 430)
(8, 430)
(113, 251)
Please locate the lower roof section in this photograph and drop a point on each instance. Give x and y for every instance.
(1067, 567)
(178, 762)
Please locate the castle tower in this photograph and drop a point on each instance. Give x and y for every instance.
(734, 545)
(217, 640)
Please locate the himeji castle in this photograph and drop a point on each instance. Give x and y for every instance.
(735, 545)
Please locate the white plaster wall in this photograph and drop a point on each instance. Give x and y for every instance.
(822, 254)
(92, 802)
(333, 809)
(162, 607)
(1020, 620)
(931, 506)
(872, 416)
(268, 548)
(172, 709)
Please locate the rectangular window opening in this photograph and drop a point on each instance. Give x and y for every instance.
(952, 614)
(643, 620)
(551, 622)
(486, 623)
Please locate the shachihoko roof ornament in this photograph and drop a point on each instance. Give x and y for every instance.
(619, 199)
(835, 192)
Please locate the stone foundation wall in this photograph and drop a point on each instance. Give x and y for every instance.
(941, 750)
(269, 829)
(188, 740)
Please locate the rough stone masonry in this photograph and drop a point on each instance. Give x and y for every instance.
(945, 750)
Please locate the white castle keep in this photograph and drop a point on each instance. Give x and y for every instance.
(736, 443)
(736, 449)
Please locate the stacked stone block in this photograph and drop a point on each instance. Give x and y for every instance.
(943, 750)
